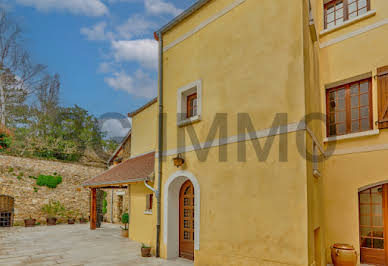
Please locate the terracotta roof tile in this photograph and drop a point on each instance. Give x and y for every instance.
(132, 170)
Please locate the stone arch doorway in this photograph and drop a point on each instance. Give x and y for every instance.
(171, 216)
(6, 211)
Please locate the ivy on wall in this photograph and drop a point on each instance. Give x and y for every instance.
(51, 181)
(105, 204)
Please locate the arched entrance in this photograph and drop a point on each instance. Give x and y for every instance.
(186, 221)
(373, 212)
(172, 189)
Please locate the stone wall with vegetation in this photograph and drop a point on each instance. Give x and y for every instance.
(18, 178)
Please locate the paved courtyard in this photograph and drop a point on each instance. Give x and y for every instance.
(72, 245)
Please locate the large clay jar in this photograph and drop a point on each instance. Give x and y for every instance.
(343, 255)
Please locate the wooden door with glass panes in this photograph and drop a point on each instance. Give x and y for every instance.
(373, 212)
(186, 221)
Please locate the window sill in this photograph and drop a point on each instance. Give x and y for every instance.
(188, 121)
(353, 135)
(368, 14)
(148, 212)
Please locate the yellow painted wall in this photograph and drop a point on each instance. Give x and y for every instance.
(241, 56)
(143, 140)
(247, 64)
(141, 225)
(144, 131)
(251, 213)
(343, 175)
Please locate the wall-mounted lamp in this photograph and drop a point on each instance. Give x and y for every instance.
(178, 161)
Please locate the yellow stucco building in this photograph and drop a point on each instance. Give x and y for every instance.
(279, 112)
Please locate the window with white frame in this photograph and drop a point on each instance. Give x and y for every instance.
(189, 103)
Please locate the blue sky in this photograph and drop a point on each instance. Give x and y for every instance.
(103, 49)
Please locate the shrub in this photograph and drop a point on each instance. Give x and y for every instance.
(48, 181)
(5, 139)
(125, 220)
(53, 208)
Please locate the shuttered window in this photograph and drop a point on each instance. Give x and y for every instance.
(382, 83)
(349, 108)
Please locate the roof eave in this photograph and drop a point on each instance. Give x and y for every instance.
(182, 16)
(113, 183)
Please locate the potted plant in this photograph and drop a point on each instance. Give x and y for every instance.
(125, 221)
(82, 219)
(145, 250)
(29, 222)
(71, 216)
(52, 209)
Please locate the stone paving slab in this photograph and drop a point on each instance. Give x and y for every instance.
(74, 245)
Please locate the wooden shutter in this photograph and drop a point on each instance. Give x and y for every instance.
(382, 81)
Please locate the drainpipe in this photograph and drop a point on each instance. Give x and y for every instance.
(158, 37)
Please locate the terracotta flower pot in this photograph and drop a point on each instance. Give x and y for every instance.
(83, 220)
(71, 221)
(343, 255)
(124, 233)
(29, 222)
(146, 252)
(51, 221)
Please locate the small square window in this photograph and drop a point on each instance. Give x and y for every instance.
(189, 103)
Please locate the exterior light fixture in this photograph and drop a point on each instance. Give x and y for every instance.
(178, 161)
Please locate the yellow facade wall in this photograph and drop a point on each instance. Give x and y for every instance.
(143, 140)
(344, 174)
(141, 225)
(252, 213)
(241, 56)
(144, 131)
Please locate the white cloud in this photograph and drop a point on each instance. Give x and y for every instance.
(135, 26)
(140, 84)
(157, 7)
(143, 51)
(85, 7)
(114, 128)
(97, 32)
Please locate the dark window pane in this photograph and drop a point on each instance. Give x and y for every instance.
(366, 242)
(378, 243)
(364, 111)
(365, 209)
(365, 124)
(365, 220)
(364, 99)
(364, 87)
(355, 126)
(355, 113)
(366, 231)
(377, 210)
(377, 221)
(354, 101)
(377, 198)
(341, 129)
(354, 89)
(365, 197)
(341, 116)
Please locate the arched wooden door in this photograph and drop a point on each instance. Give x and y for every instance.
(373, 204)
(186, 221)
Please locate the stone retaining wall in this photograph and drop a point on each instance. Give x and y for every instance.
(16, 181)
